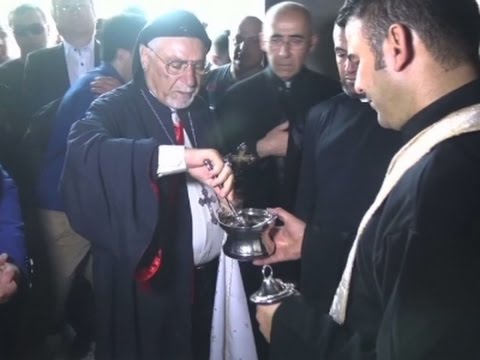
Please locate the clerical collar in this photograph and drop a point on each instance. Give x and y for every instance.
(464, 96)
(279, 82)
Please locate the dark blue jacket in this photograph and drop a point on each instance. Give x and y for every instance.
(72, 108)
(11, 223)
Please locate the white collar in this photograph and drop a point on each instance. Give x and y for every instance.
(90, 47)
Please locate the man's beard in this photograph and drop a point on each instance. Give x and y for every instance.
(349, 89)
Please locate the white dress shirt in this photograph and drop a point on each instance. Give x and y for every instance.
(79, 60)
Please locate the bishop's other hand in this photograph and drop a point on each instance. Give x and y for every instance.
(218, 175)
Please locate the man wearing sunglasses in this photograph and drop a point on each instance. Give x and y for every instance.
(29, 26)
(50, 72)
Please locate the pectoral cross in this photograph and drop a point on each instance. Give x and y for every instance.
(208, 200)
(242, 156)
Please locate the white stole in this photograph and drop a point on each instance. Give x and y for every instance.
(460, 122)
(232, 336)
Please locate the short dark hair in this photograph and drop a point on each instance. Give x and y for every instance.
(120, 32)
(344, 13)
(23, 9)
(448, 28)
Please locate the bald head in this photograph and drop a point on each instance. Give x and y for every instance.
(289, 9)
(287, 38)
(245, 50)
(250, 25)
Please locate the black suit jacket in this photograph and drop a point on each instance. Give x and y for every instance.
(46, 76)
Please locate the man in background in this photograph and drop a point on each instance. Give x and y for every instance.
(30, 29)
(246, 60)
(70, 252)
(267, 111)
(50, 72)
(218, 54)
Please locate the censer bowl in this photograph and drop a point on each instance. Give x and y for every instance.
(244, 236)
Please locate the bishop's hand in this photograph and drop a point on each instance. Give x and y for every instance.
(219, 176)
(287, 239)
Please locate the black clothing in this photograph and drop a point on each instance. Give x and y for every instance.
(217, 82)
(248, 111)
(108, 189)
(254, 106)
(346, 154)
(46, 76)
(414, 291)
(11, 74)
(12, 128)
(13, 119)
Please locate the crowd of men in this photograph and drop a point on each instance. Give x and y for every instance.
(113, 148)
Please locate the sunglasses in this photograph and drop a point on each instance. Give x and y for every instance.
(33, 29)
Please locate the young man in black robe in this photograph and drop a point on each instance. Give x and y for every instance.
(410, 286)
(345, 156)
(143, 199)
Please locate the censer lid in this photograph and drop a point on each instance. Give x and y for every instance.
(272, 290)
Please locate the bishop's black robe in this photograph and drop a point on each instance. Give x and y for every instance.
(414, 291)
(108, 189)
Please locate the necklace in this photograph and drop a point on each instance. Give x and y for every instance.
(195, 143)
(205, 200)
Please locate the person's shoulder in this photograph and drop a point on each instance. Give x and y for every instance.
(465, 148)
(340, 101)
(217, 72)
(199, 104)
(450, 169)
(12, 65)
(250, 87)
(83, 83)
(323, 80)
(44, 54)
(119, 98)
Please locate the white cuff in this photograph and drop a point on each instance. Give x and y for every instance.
(171, 160)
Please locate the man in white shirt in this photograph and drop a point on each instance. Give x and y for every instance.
(50, 72)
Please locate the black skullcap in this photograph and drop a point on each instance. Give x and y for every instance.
(178, 23)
